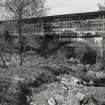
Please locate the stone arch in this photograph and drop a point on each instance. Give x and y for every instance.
(85, 53)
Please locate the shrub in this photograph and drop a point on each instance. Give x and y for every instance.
(15, 94)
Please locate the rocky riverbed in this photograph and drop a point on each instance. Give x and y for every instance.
(67, 92)
(54, 83)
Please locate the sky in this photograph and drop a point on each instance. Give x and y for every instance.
(57, 7)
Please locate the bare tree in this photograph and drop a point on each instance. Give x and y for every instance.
(101, 7)
(19, 9)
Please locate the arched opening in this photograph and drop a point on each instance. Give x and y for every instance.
(85, 52)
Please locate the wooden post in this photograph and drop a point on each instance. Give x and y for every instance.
(103, 52)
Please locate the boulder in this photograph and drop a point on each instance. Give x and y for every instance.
(91, 101)
(100, 75)
(74, 81)
(91, 83)
(59, 98)
(73, 100)
(80, 96)
(52, 101)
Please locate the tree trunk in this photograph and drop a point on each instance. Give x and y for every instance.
(20, 37)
